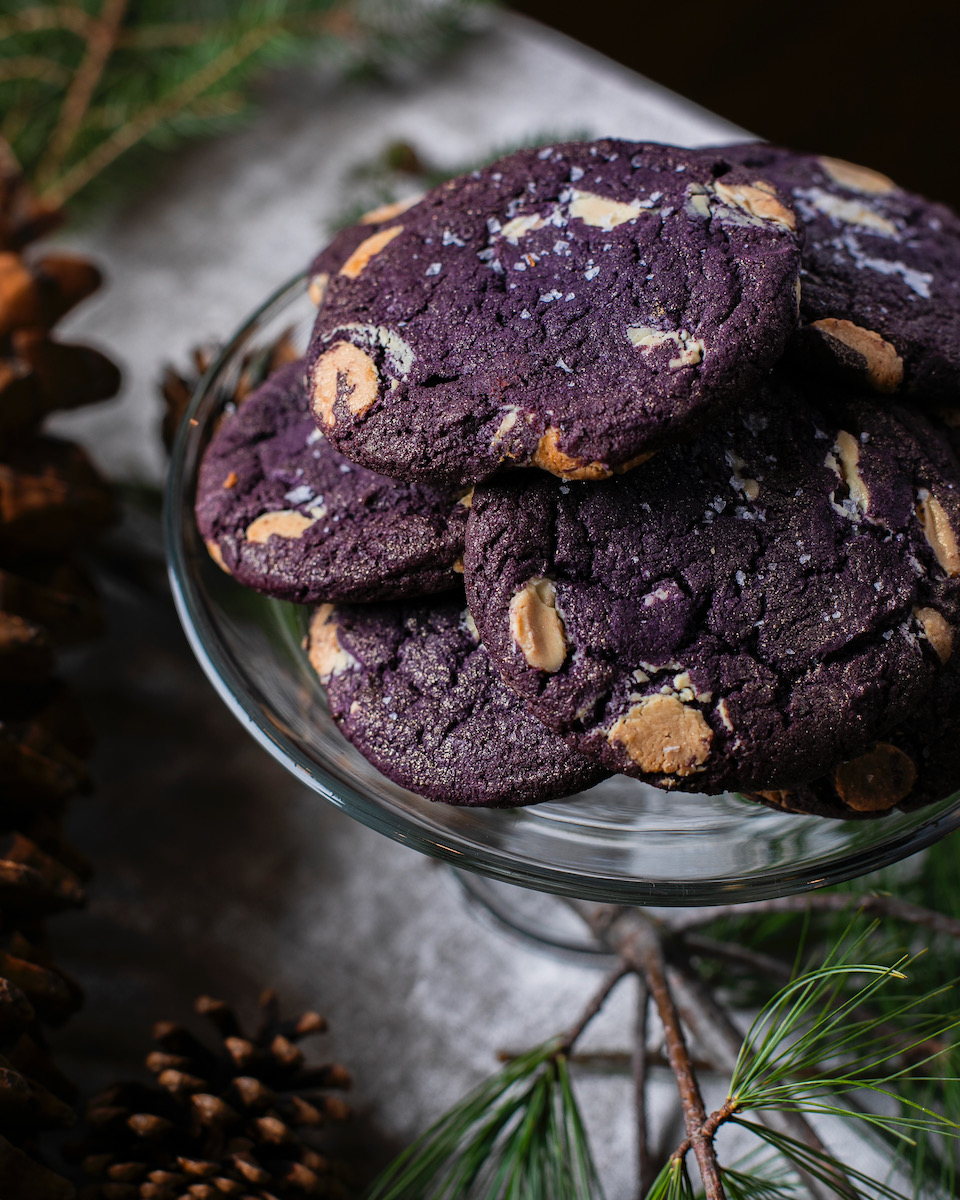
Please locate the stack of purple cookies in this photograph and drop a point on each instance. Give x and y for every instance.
(680, 423)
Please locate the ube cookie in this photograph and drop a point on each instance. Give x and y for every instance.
(574, 308)
(880, 280)
(915, 764)
(412, 688)
(750, 609)
(336, 255)
(286, 514)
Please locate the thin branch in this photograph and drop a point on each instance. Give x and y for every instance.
(101, 40)
(645, 1172)
(68, 17)
(637, 941)
(569, 1039)
(34, 66)
(714, 1025)
(876, 905)
(153, 115)
(762, 964)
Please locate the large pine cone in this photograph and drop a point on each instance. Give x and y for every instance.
(247, 1118)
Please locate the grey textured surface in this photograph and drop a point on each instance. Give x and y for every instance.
(215, 870)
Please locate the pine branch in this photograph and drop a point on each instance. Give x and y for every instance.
(101, 39)
(645, 1172)
(153, 116)
(826, 902)
(636, 940)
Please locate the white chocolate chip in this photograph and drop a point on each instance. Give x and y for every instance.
(536, 627)
(883, 365)
(386, 212)
(344, 370)
(326, 655)
(601, 212)
(663, 736)
(285, 524)
(759, 201)
(938, 531)
(857, 178)
(937, 630)
(367, 249)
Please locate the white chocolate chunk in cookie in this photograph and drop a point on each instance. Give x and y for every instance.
(884, 366)
(938, 531)
(937, 630)
(345, 370)
(664, 736)
(691, 348)
(602, 212)
(285, 524)
(536, 627)
(758, 201)
(856, 178)
(327, 656)
(367, 249)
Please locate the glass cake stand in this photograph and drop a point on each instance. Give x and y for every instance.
(620, 842)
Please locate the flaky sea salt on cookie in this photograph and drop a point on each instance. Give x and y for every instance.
(286, 514)
(880, 281)
(412, 688)
(753, 608)
(573, 308)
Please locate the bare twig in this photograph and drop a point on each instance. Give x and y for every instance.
(714, 1025)
(876, 905)
(645, 1173)
(637, 941)
(762, 964)
(69, 17)
(101, 39)
(569, 1039)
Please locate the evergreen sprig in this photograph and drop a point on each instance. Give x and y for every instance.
(850, 1037)
(87, 84)
(518, 1135)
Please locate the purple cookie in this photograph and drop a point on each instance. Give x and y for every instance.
(748, 611)
(575, 308)
(412, 688)
(913, 765)
(333, 256)
(286, 514)
(880, 281)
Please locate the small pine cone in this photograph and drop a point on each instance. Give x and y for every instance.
(23, 218)
(56, 593)
(177, 389)
(247, 1118)
(52, 499)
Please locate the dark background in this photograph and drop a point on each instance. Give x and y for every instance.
(875, 83)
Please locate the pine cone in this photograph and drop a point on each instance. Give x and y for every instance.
(52, 503)
(245, 1119)
(177, 389)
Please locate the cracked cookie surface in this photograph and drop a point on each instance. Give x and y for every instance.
(751, 609)
(880, 278)
(412, 688)
(285, 513)
(572, 308)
